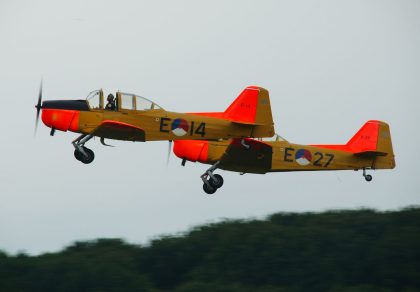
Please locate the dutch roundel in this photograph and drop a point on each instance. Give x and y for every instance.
(303, 157)
(179, 127)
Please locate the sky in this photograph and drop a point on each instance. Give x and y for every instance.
(329, 67)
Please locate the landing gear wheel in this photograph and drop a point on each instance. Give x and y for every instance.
(218, 182)
(90, 157)
(78, 155)
(368, 177)
(209, 189)
(82, 158)
(211, 182)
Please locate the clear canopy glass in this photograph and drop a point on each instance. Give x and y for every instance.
(136, 102)
(275, 138)
(128, 101)
(94, 99)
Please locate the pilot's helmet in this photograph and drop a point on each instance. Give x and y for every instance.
(110, 97)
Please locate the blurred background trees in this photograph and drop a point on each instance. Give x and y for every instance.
(360, 250)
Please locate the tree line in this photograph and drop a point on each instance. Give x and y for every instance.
(359, 250)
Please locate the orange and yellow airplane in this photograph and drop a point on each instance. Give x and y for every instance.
(229, 140)
(369, 148)
(131, 117)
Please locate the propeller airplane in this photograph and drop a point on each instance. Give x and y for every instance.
(131, 117)
(369, 148)
(233, 140)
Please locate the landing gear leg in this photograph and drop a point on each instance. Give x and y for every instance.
(211, 182)
(82, 153)
(367, 177)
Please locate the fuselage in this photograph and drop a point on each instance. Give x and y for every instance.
(278, 156)
(155, 123)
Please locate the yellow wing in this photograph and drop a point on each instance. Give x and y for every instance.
(119, 131)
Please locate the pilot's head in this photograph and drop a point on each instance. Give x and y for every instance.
(110, 97)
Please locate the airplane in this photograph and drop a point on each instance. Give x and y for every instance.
(131, 117)
(369, 148)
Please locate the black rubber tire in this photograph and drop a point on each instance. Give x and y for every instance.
(82, 158)
(90, 158)
(209, 189)
(78, 155)
(368, 177)
(219, 182)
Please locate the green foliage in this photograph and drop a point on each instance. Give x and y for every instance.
(359, 250)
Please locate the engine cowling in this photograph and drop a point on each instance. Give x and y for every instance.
(61, 119)
(192, 150)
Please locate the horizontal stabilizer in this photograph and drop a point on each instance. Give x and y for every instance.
(247, 123)
(370, 153)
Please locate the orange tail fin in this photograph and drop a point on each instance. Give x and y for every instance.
(366, 139)
(370, 138)
(373, 140)
(251, 108)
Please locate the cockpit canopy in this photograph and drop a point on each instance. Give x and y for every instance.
(123, 101)
(275, 138)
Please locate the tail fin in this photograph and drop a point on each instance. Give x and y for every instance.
(251, 107)
(366, 139)
(374, 140)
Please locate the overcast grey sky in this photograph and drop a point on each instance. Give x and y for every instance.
(329, 66)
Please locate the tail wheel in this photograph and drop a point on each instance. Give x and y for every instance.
(368, 177)
(209, 189)
(217, 182)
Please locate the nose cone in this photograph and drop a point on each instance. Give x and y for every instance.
(63, 115)
(63, 120)
(192, 150)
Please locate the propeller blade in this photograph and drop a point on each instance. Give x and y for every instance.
(38, 107)
(169, 152)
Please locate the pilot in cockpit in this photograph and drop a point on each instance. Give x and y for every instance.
(111, 102)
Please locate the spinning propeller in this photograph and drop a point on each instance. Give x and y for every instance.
(169, 152)
(38, 108)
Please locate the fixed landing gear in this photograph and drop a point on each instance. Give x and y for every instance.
(367, 177)
(82, 153)
(211, 182)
